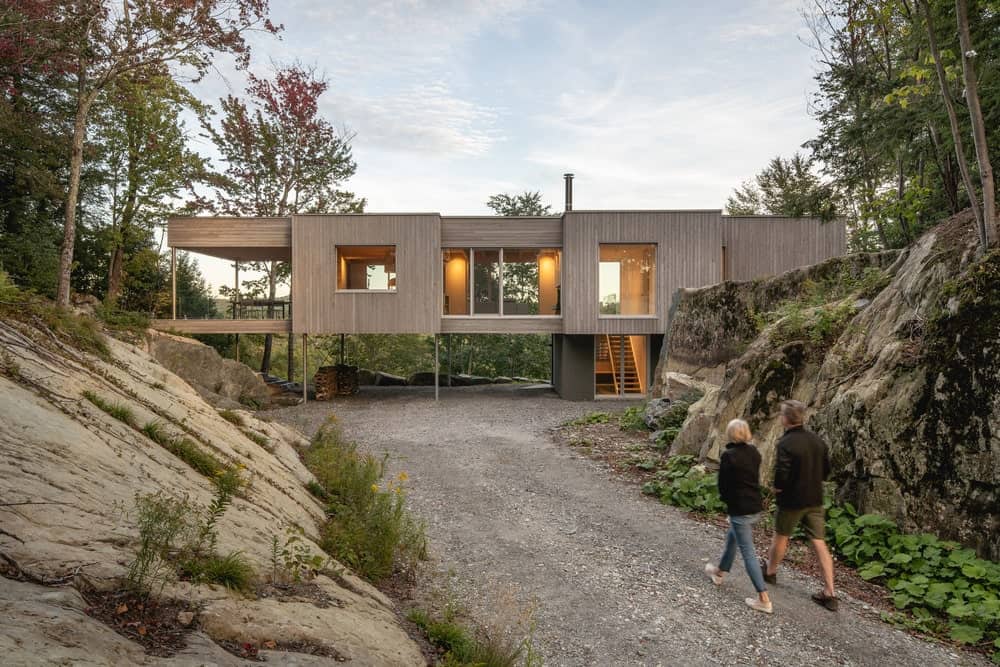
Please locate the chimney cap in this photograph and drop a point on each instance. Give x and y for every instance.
(568, 175)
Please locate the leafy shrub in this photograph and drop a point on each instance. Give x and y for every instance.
(590, 418)
(929, 577)
(684, 484)
(162, 522)
(125, 321)
(119, 411)
(233, 417)
(463, 649)
(368, 526)
(294, 560)
(633, 419)
(666, 437)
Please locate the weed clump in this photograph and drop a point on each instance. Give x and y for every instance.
(590, 418)
(368, 526)
(233, 417)
(633, 419)
(119, 411)
(186, 450)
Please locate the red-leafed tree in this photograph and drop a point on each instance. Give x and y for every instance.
(281, 157)
(95, 42)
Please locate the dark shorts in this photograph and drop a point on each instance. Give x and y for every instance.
(812, 519)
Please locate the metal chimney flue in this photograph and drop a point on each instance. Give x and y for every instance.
(569, 191)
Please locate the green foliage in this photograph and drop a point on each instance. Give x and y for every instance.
(233, 571)
(257, 438)
(368, 526)
(526, 203)
(666, 437)
(119, 411)
(293, 560)
(462, 648)
(189, 451)
(233, 417)
(633, 419)
(132, 323)
(683, 483)
(8, 365)
(929, 577)
(590, 418)
(163, 522)
(785, 187)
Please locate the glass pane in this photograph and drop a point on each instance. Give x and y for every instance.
(366, 267)
(520, 282)
(486, 282)
(456, 282)
(627, 278)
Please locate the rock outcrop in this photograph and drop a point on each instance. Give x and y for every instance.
(898, 358)
(222, 382)
(69, 474)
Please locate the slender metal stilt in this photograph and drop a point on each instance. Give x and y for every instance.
(437, 367)
(173, 283)
(305, 368)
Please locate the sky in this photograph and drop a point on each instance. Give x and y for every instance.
(658, 105)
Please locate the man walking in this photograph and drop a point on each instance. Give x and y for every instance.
(802, 464)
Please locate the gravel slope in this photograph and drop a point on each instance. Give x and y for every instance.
(618, 576)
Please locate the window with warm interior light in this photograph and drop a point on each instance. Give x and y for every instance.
(366, 268)
(627, 279)
(512, 282)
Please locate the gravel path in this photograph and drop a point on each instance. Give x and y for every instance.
(618, 577)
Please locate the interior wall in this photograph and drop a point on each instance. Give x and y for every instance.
(641, 351)
(456, 283)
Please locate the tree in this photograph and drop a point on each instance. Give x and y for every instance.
(282, 157)
(95, 42)
(148, 163)
(784, 187)
(526, 203)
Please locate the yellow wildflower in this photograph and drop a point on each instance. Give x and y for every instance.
(403, 476)
(375, 488)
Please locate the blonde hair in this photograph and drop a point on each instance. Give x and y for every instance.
(738, 431)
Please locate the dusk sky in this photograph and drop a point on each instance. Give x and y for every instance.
(651, 105)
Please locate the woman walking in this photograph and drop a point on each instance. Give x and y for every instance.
(739, 487)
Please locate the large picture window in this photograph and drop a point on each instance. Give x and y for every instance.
(366, 268)
(511, 282)
(627, 279)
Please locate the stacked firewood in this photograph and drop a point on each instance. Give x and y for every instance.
(338, 380)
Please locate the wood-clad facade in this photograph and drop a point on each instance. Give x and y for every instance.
(766, 245)
(604, 280)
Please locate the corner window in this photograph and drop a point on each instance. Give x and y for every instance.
(627, 279)
(366, 268)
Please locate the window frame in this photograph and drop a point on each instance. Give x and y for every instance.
(472, 301)
(393, 290)
(656, 298)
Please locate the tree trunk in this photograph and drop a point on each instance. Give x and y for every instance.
(988, 223)
(900, 192)
(115, 275)
(943, 159)
(83, 102)
(956, 131)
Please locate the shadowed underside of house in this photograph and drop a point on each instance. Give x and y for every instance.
(599, 282)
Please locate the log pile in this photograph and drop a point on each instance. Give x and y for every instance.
(338, 380)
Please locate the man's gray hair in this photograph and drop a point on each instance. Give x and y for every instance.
(794, 412)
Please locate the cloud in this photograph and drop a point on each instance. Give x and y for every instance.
(764, 19)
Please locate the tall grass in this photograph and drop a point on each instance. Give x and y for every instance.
(369, 527)
(119, 411)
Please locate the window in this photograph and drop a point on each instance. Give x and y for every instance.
(512, 282)
(456, 282)
(627, 279)
(370, 268)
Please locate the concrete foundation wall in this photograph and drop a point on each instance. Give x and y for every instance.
(573, 367)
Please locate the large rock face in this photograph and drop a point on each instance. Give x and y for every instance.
(68, 470)
(902, 376)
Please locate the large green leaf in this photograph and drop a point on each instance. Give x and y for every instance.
(966, 634)
(872, 570)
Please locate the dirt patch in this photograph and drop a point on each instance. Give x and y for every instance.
(298, 591)
(629, 454)
(160, 626)
(253, 651)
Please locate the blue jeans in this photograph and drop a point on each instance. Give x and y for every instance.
(740, 534)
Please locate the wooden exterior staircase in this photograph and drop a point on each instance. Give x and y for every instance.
(609, 360)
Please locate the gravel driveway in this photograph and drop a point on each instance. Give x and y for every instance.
(618, 576)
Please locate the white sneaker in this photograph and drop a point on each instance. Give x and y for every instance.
(756, 604)
(714, 573)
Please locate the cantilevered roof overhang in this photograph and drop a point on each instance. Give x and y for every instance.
(236, 239)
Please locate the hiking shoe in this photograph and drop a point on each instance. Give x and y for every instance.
(769, 578)
(714, 573)
(829, 601)
(757, 605)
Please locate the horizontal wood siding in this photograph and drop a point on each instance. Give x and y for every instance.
(688, 255)
(414, 308)
(239, 239)
(511, 325)
(224, 326)
(758, 246)
(496, 232)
